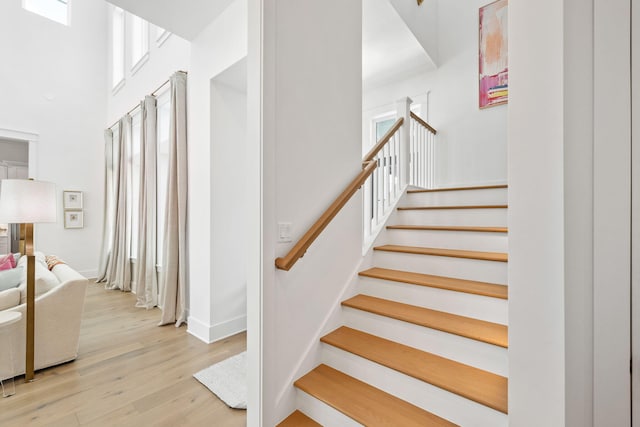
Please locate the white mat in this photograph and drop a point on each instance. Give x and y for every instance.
(227, 380)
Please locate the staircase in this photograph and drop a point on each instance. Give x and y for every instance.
(424, 341)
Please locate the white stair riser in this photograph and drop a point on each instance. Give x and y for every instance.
(495, 196)
(478, 354)
(471, 269)
(473, 217)
(460, 303)
(322, 413)
(473, 241)
(447, 405)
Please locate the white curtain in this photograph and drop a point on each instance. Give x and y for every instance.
(174, 282)
(146, 287)
(108, 208)
(118, 269)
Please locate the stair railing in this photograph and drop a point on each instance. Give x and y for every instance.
(421, 164)
(399, 158)
(386, 184)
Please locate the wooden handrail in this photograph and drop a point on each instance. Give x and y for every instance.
(383, 141)
(422, 122)
(286, 262)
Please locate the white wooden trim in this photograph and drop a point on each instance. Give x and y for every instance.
(612, 213)
(255, 215)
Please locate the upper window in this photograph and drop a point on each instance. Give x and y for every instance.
(139, 41)
(117, 47)
(56, 10)
(161, 35)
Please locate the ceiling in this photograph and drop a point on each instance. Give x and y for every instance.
(184, 18)
(389, 48)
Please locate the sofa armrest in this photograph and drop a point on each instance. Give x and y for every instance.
(64, 273)
(9, 298)
(58, 314)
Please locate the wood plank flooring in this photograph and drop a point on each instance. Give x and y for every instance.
(129, 372)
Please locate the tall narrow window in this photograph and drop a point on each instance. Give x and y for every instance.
(164, 117)
(161, 35)
(134, 180)
(139, 42)
(117, 48)
(56, 10)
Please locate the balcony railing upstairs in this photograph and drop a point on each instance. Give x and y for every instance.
(421, 164)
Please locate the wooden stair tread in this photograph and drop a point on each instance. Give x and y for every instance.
(479, 330)
(440, 282)
(455, 253)
(476, 187)
(298, 419)
(451, 207)
(363, 403)
(448, 228)
(472, 383)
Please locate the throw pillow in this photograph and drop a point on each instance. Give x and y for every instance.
(5, 262)
(10, 278)
(52, 261)
(45, 281)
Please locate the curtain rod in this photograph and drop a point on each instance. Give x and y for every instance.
(152, 94)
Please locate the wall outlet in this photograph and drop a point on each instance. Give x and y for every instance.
(284, 232)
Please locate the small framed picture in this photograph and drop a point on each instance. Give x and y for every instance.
(73, 219)
(72, 199)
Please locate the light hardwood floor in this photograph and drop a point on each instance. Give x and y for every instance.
(129, 372)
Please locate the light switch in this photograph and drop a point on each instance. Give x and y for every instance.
(284, 232)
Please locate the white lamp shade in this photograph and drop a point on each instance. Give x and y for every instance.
(25, 201)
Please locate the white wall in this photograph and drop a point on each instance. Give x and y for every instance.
(311, 140)
(164, 59)
(228, 220)
(54, 85)
(471, 144)
(221, 44)
(569, 226)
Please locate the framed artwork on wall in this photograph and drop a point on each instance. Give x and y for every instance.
(72, 199)
(493, 54)
(73, 219)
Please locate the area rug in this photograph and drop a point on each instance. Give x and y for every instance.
(227, 380)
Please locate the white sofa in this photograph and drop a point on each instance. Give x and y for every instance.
(57, 321)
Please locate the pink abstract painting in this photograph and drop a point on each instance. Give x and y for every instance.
(494, 64)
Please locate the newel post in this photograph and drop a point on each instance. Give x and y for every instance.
(403, 109)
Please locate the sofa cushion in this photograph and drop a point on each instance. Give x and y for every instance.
(9, 298)
(45, 281)
(11, 278)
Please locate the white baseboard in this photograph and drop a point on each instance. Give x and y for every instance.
(89, 274)
(217, 332)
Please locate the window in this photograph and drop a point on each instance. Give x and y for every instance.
(161, 35)
(134, 180)
(163, 123)
(139, 42)
(112, 172)
(56, 10)
(117, 48)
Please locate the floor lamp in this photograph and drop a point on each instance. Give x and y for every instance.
(28, 202)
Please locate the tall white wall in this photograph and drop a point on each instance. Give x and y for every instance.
(54, 85)
(228, 220)
(164, 59)
(311, 149)
(221, 44)
(569, 231)
(471, 144)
